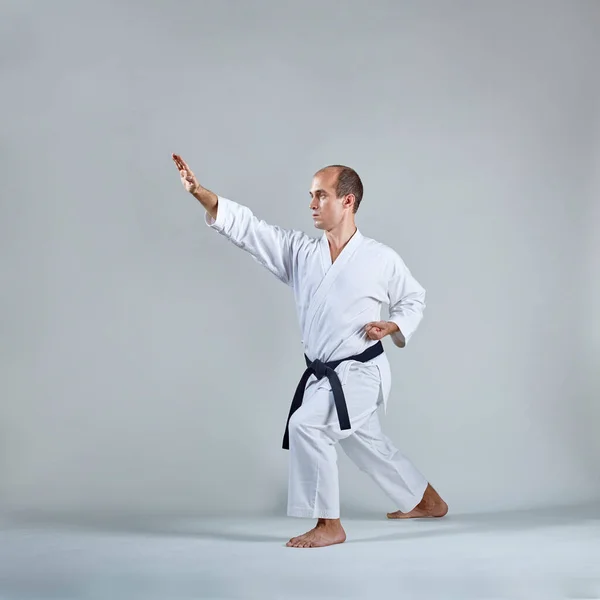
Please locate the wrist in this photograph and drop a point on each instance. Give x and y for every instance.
(199, 193)
(207, 198)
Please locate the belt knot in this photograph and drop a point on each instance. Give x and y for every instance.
(319, 368)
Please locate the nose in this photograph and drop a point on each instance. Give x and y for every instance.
(313, 204)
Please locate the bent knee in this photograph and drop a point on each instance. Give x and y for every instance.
(298, 425)
(302, 431)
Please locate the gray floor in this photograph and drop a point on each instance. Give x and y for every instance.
(528, 555)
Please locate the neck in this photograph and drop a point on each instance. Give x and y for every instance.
(340, 235)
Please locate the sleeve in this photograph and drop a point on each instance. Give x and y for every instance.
(271, 246)
(407, 302)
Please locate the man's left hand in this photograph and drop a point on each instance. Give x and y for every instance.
(379, 329)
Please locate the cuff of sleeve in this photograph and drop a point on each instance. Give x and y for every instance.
(400, 338)
(223, 211)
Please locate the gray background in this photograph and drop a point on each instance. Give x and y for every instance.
(138, 346)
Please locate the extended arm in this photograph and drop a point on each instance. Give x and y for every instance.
(271, 246)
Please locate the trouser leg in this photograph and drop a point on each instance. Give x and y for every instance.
(313, 487)
(375, 454)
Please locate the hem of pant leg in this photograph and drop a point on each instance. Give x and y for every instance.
(419, 496)
(311, 513)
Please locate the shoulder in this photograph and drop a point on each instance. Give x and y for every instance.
(382, 251)
(299, 243)
(302, 239)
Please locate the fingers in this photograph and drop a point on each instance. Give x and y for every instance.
(375, 333)
(181, 164)
(376, 324)
(374, 330)
(185, 172)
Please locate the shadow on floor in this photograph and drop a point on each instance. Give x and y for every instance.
(460, 524)
(238, 529)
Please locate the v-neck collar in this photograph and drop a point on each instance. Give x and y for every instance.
(331, 270)
(352, 243)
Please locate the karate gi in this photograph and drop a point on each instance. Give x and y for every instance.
(334, 302)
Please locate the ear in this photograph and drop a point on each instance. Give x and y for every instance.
(349, 201)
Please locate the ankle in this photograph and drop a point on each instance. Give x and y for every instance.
(330, 523)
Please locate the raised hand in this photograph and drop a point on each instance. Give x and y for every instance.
(188, 179)
(208, 199)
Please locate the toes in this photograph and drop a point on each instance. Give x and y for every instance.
(296, 542)
(399, 515)
(303, 541)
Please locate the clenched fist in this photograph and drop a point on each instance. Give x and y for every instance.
(377, 330)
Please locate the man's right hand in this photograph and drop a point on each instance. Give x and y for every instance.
(190, 183)
(188, 179)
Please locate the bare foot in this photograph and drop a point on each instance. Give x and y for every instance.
(326, 533)
(431, 505)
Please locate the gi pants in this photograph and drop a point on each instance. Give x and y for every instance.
(314, 431)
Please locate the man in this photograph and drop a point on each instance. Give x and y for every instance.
(339, 281)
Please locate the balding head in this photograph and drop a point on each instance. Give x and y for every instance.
(335, 194)
(347, 182)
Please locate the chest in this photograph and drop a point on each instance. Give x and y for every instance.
(345, 280)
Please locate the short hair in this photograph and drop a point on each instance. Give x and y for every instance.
(348, 182)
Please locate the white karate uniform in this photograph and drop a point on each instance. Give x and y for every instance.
(334, 302)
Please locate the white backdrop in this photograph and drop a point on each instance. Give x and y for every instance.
(140, 350)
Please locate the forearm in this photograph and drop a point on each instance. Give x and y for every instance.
(272, 246)
(397, 335)
(407, 321)
(208, 199)
(407, 303)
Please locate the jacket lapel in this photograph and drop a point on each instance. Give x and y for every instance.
(331, 272)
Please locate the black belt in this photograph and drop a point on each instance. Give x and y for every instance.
(320, 369)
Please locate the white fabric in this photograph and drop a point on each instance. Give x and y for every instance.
(334, 302)
(313, 488)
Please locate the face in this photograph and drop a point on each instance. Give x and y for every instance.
(327, 210)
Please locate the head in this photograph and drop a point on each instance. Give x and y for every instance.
(335, 196)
